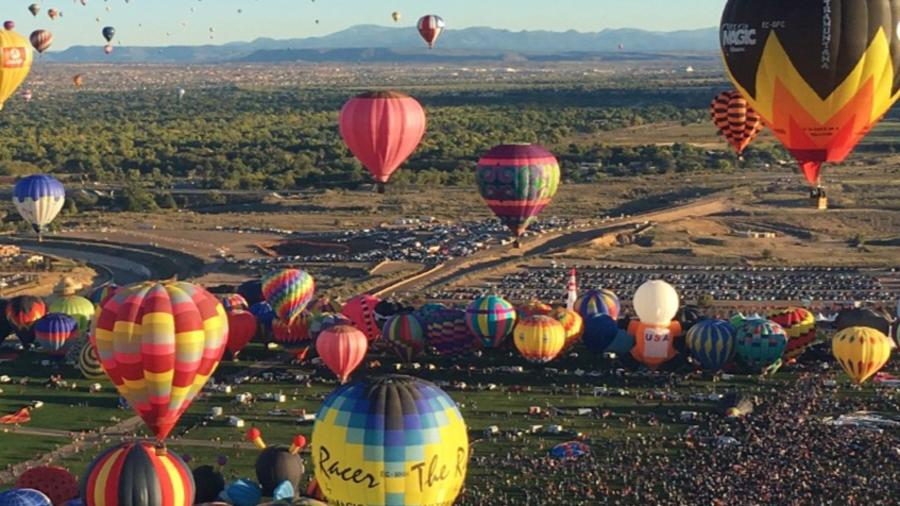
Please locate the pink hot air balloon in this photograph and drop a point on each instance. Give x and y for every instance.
(108, 49)
(361, 311)
(9, 25)
(342, 348)
(382, 129)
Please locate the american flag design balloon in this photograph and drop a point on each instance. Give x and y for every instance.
(491, 318)
(387, 432)
(159, 342)
(288, 291)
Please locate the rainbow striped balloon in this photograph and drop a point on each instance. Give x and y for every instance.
(491, 318)
(136, 473)
(405, 335)
(288, 291)
(712, 343)
(595, 302)
(159, 342)
(539, 338)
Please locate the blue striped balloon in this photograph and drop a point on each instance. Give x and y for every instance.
(597, 302)
(24, 497)
(491, 318)
(712, 343)
(39, 199)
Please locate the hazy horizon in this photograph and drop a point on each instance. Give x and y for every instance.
(179, 22)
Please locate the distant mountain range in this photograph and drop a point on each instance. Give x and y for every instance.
(387, 44)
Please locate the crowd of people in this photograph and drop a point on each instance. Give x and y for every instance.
(693, 283)
(782, 453)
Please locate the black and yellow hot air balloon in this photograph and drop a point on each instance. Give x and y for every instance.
(821, 73)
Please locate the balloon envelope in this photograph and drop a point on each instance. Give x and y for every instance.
(491, 318)
(342, 348)
(15, 63)
(656, 302)
(861, 351)
(400, 423)
(39, 199)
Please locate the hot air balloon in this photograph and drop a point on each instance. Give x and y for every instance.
(517, 181)
(599, 332)
(448, 334)
(656, 302)
(241, 330)
(55, 332)
(396, 16)
(539, 338)
(491, 318)
(78, 81)
(402, 439)
(712, 343)
(103, 292)
(251, 291)
(277, 465)
(862, 317)
(136, 473)
(361, 311)
(430, 28)
(533, 308)
(654, 344)
(22, 312)
(234, 302)
(405, 336)
(820, 99)
(760, 345)
(426, 311)
(34, 9)
(208, 482)
(39, 199)
(861, 351)
(181, 93)
(108, 49)
(24, 497)
(736, 120)
(108, 33)
(183, 331)
(15, 63)
(9, 25)
(53, 14)
(571, 450)
(242, 493)
(800, 326)
(79, 308)
(382, 129)
(89, 362)
(265, 316)
(294, 335)
(41, 40)
(288, 291)
(596, 302)
(573, 325)
(342, 348)
(55, 482)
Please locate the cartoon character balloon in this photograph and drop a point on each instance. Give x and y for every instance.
(402, 439)
(539, 339)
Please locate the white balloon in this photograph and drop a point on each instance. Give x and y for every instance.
(656, 302)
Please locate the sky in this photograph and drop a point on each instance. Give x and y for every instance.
(191, 22)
